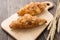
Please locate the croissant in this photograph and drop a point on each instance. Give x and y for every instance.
(33, 8)
(27, 21)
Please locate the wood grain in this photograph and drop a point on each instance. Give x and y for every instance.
(14, 6)
(3, 15)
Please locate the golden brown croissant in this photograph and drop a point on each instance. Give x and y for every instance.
(33, 8)
(27, 21)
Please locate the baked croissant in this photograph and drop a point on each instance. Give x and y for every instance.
(27, 21)
(33, 8)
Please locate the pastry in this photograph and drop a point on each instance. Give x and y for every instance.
(27, 21)
(33, 8)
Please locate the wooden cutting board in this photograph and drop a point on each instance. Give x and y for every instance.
(27, 34)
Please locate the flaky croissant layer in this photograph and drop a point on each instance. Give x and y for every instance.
(27, 21)
(32, 8)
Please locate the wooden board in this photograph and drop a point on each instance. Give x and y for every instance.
(27, 34)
